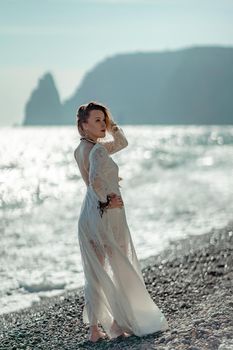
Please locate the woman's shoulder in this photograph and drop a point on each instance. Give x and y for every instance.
(82, 151)
(76, 151)
(98, 150)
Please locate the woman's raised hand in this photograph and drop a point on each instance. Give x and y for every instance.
(116, 201)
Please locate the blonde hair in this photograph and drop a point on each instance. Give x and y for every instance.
(83, 111)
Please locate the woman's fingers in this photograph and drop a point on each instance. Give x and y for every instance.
(116, 200)
(117, 204)
(120, 201)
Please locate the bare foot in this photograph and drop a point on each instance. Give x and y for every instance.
(96, 334)
(126, 335)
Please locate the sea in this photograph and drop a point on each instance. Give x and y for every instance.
(177, 181)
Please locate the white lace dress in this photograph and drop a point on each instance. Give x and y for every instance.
(114, 288)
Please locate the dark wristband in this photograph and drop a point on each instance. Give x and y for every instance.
(103, 206)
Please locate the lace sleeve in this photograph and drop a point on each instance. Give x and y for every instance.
(119, 141)
(96, 170)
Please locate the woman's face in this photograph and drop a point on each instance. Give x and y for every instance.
(95, 127)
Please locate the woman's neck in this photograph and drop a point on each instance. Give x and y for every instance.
(89, 139)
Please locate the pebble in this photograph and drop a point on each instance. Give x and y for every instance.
(191, 284)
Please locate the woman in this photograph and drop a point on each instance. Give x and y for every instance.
(115, 292)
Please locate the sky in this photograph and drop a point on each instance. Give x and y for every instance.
(69, 37)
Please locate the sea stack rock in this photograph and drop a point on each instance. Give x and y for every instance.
(44, 106)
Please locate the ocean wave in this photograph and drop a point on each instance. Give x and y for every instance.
(177, 181)
(42, 286)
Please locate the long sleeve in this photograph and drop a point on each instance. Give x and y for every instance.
(119, 141)
(96, 170)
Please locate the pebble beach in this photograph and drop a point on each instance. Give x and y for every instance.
(191, 282)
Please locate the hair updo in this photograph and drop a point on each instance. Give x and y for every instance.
(83, 115)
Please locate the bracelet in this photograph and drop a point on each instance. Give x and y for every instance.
(103, 206)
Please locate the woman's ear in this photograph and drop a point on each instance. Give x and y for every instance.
(84, 126)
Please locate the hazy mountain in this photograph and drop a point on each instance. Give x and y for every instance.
(44, 106)
(187, 86)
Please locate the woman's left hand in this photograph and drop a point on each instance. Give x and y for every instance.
(119, 199)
